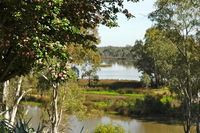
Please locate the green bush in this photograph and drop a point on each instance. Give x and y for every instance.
(146, 80)
(100, 105)
(152, 105)
(166, 99)
(109, 128)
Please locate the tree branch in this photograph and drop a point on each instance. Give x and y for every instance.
(19, 86)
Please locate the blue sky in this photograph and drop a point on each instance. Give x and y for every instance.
(128, 30)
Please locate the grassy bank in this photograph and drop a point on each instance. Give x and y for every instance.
(124, 97)
(108, 93)
(127, 97)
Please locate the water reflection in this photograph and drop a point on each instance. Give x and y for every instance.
(74, 125)
(34, 113)
(122, 62)
(120, 69)
(130, 125)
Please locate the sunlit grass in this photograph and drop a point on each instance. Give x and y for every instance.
(100, 104)
(114, 94)
(134, 95)
(102, 93)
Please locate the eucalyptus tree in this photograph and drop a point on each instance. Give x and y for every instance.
(141, 59)
(162, 53)
(155, 56)
(182, 17)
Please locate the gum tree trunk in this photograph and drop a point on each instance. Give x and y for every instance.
(55, 116)
(18, 97)
(15, 106)
(11, 110)
(5, 99)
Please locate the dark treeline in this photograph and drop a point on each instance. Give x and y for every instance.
(116, 52)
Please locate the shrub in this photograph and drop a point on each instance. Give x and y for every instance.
(146, 80)
(109, 128)
(166, 99)
(152, 105)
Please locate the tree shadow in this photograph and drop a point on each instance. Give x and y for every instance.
(159, 119)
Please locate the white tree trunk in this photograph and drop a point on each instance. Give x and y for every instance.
(15, 106)
(16, 102)
(11, 112)
(55, 116)
(5, 99)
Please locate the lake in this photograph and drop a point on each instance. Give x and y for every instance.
(131, 125)
(119, 69)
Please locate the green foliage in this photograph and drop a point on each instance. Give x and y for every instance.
(74, 100)
(89, 71)
(125, 107)
(174, 14)
(146, 80)
(102, 93)
(181, 19)
(134, 95)
(141, 59)
(4, 128)
(109, 128)
(116, 52)
(70, 99)
(113, 93)
(33, 39)
(156, 55)
(166, 99)
(152, 105)
(101, 105)
(28, 82)
(23, 127)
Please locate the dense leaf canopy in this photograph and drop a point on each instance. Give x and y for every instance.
(33, 31)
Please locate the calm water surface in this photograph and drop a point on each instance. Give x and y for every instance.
(130, 125)
(119, 69)
(73, 125)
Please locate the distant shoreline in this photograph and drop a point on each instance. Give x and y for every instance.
(114, 57)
